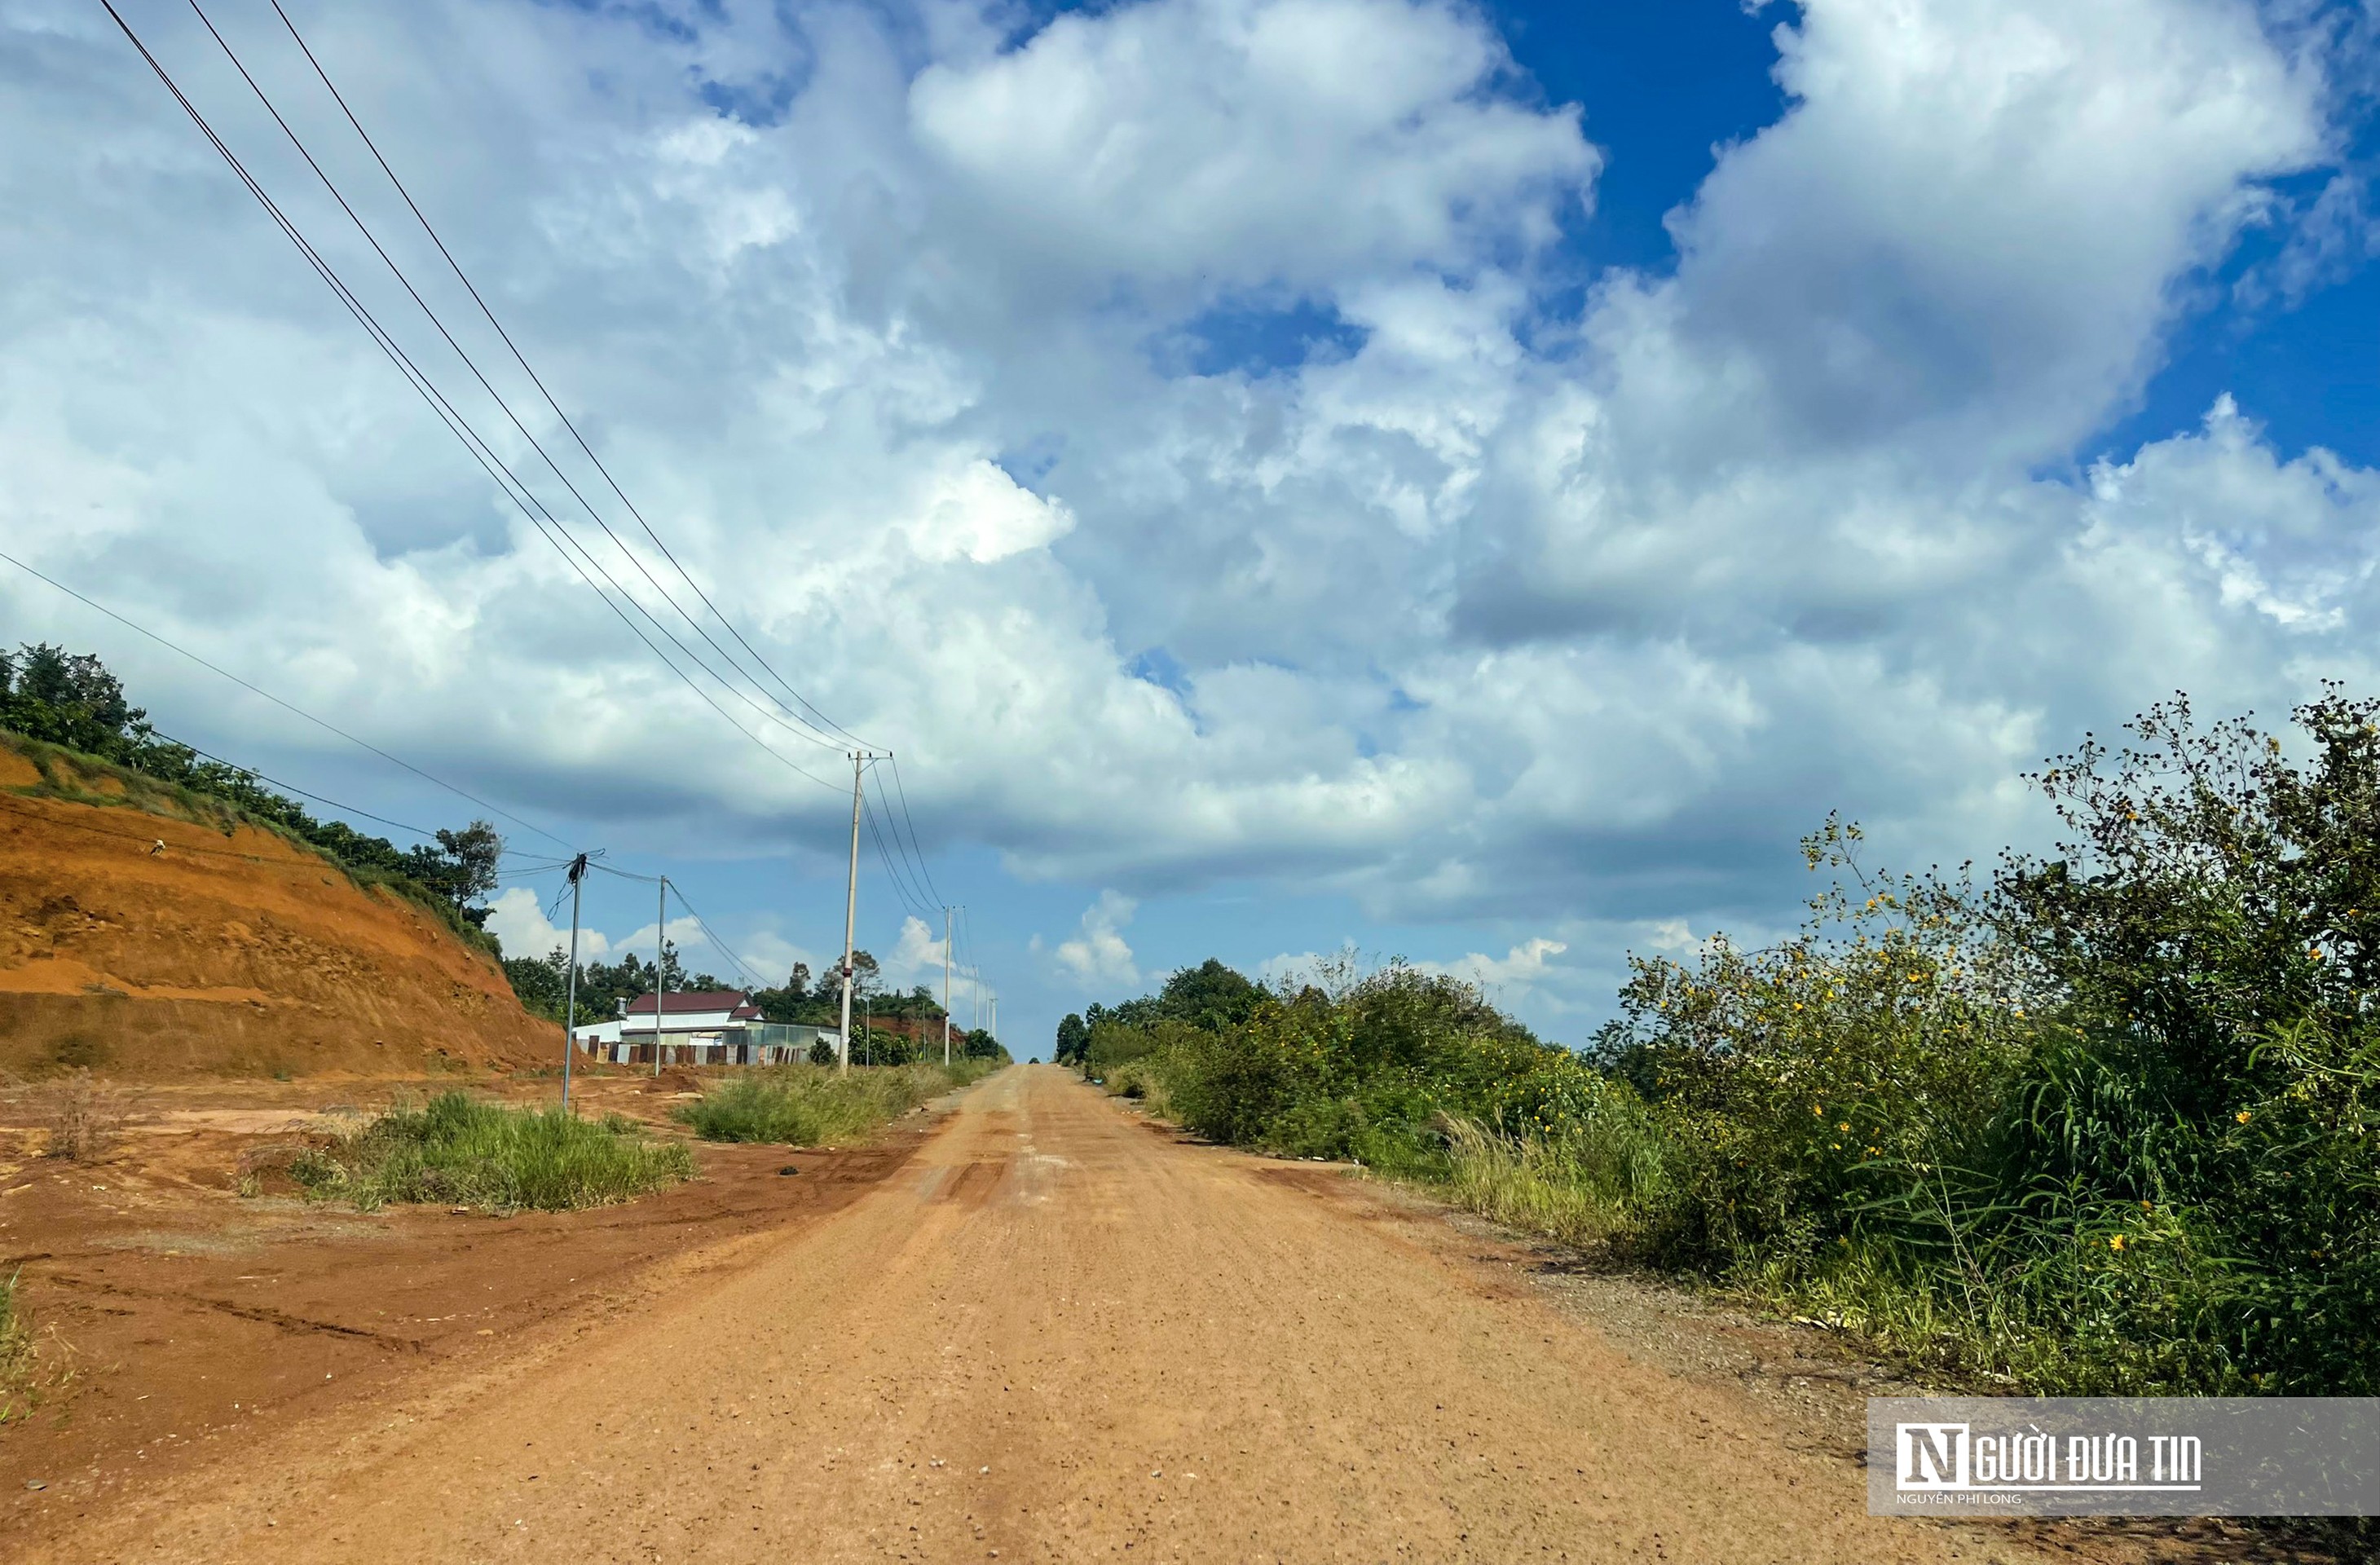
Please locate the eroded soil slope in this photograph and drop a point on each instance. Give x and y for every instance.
(227, 949)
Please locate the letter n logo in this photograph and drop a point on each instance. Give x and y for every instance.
(1931, 1456)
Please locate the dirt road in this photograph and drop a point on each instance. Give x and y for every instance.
(1058, 1334)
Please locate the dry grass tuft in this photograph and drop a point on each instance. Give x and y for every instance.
(83, 1117)
(31, 1371)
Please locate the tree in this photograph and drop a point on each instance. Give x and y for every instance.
(1074, 1037)
(1210, 996)
(67, 699)
(865, 975)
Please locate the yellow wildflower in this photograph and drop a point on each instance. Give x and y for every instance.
(2241, 1116)
(2116, 1242)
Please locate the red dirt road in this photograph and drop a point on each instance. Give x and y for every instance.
(1056, 1334)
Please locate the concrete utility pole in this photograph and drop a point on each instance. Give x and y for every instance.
(946, 987)
(850, 915)
(661, 970)
(570, 1004)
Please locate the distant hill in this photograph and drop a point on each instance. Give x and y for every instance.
(232, 950)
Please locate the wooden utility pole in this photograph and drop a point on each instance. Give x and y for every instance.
(570, 1003)
(946, 988)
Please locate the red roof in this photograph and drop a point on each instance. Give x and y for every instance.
(679, 1003)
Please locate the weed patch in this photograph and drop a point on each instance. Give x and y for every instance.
(808, 1105)
(459, 1151)
(30, 1370)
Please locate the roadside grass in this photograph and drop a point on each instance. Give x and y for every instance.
(16, 1351)
(456, 1150)
(809, 1105)
(30, 1370)
(1585, 1188)
(1142, 1081)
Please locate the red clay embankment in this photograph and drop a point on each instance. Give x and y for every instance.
(230, 950)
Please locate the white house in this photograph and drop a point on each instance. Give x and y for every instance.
(698, 1028)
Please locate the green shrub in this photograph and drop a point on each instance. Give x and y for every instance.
(807, 1105)
(456, 1150)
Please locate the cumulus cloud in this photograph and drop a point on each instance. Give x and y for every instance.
(517, 918)
(1212, 144)
(1526, 964)
(1463, 599)
(1097, 955)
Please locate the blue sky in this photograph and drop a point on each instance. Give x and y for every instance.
(1470, 483)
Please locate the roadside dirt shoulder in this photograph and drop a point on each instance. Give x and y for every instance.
(190, 1318)
(1811, 1383)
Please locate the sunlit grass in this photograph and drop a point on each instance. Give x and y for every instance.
(810, 1105)
(459, 1151)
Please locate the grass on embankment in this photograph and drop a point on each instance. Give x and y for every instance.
(808, 1105)
(456, 1150)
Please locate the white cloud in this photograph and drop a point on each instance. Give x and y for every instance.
(1208, 144)
(1098, 956)
(516, 917)
(1488, 607)
(1525, 964)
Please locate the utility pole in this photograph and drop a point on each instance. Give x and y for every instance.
(570, 1004)
(850, 915)
(661, 970)
(946, 989)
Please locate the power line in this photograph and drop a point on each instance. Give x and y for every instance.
(919, 848)
(505, 479)
(550, 400)
(548, 526)
(707, 932)
(893, 866)
(712, 936)
(286, 706)
(505, 406)
(320, 799)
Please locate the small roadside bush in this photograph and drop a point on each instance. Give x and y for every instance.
(808, 1105)
(84, 1117)
(456, 1150)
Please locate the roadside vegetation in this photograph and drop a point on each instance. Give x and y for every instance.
(2105, 1122)
(457, 1150)
(34, 1368)
(16, 1353)
(812, 1105)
